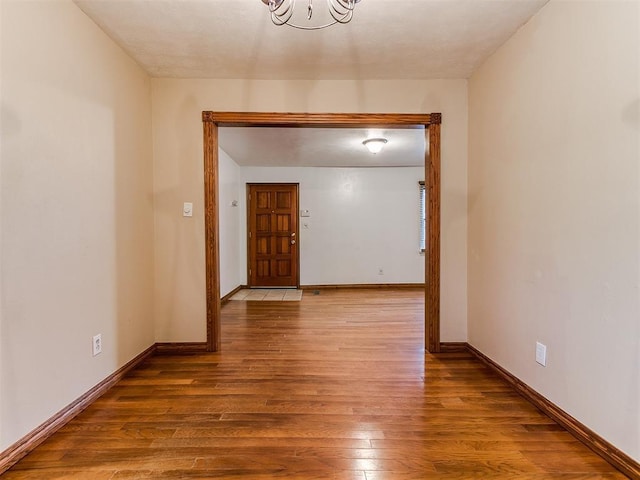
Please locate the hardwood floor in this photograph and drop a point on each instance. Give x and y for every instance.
(334, 387)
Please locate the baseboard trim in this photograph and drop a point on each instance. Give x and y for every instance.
(363, 286)
(26, 444)
(180, 348)
(228, 296)
(595, 442)
(592, 440)
(452, 347)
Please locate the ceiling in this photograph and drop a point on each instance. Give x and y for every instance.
(387, 39)
(322, 147)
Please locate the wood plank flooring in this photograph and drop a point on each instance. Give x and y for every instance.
(334, 387)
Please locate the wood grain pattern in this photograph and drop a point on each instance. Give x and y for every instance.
(181, 348)
(335, 386)
(212, 235)
(365, 120)
(432, 251)
(449, 347)
(435, 119)
(432, 124)
(25, 445)
(587, 436)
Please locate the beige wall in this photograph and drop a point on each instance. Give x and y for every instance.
(554, 211)
(177, 140)
(77, 217)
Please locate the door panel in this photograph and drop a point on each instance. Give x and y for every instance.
(272, 215)
(283, 223)
(263, 223)
(263, 246)
(263, 200)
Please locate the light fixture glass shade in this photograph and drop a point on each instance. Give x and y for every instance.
(374, 145)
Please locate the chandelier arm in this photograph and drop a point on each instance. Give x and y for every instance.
(281, 18)
(316, 27)
(346, 4)
(340, 12)
(346, 18)
(281, 12)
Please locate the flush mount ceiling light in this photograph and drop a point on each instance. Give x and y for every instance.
(375, 144)
(283, 12)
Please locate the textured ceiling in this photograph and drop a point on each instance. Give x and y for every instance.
(387, 39)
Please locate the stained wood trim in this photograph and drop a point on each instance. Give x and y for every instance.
(212, 235)
(451, 347)
(431, 122)
(26, 444)
(228, 296)
(367, 286)
(181, 348)
(432, 252)
(436, 119)
(595, 442)
(257, 119)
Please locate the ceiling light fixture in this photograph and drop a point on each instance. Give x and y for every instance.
(283, 12)
(375, 144)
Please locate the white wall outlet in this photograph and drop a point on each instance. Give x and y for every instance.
(187, 209)
(380, 271)
(541, 354)
(97, 344)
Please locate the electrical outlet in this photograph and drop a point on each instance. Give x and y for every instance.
(97, 344)
(380, 271)
(541, 354)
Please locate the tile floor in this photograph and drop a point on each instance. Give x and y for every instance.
(268, 295)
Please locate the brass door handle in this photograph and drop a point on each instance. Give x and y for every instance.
(293, 242)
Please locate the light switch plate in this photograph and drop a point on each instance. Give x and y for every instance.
(305, 213)
(187, 209)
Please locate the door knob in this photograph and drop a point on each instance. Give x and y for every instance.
(293, 242)
(293, 234)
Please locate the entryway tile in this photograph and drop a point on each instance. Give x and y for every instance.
(268, 295)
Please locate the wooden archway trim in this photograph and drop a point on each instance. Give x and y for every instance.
(431, 122)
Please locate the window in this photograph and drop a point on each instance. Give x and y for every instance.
(423, 215)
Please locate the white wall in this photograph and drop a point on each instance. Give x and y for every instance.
(231, 224)
(554, 211)
(361, 219)
(178, 177)
(77, 213)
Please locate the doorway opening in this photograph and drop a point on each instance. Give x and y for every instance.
(431, 124)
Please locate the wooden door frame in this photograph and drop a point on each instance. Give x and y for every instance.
(248, 252)
(431, 122)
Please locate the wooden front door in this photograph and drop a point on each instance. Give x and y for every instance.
(273, 235)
